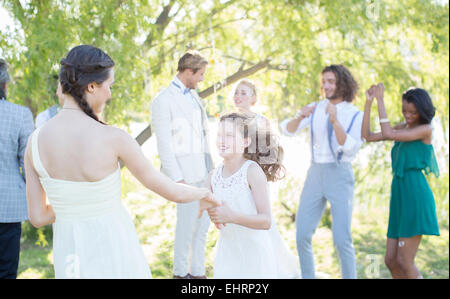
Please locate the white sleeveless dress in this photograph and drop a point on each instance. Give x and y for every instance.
(93, 235)
(245, 253)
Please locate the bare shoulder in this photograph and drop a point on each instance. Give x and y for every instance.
(424, 129)
(256, 175)
(400, 126)
(117, 135)
(428, 133)
(421, 132)
(427, 127)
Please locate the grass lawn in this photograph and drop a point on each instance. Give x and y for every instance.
(155, 223)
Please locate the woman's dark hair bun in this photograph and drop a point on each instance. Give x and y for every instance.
(83, 65)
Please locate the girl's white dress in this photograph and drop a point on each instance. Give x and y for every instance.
(242, 252)
(93, 235)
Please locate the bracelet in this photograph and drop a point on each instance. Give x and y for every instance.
(299, 114)
(384, 120)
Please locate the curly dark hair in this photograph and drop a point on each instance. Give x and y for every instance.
(346, 85)
(265, 148)
(83, 65)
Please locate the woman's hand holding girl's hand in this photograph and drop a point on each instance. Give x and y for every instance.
(207, 202)
(221, 215)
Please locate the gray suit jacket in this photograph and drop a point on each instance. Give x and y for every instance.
(16, 124)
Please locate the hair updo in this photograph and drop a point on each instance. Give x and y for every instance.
(83, 65)
(264, 149)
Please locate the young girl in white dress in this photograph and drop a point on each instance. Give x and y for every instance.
(247, 246)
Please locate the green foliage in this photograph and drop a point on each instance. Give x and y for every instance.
(402, 43)
(384, 40)
(39, 237)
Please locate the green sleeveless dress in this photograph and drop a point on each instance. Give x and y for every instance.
(412, 207)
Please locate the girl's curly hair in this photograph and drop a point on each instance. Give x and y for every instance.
(264, 149)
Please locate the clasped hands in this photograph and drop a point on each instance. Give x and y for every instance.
(375, 91)
(308, 110)
(219, 212)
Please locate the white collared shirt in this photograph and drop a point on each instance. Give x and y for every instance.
(322, 152)
(188, 96)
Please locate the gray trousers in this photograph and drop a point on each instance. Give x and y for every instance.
(335, 183)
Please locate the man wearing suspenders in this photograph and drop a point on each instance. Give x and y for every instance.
(335, 127)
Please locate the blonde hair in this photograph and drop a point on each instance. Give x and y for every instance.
(248, 83)
(191, 60)
(264, 149)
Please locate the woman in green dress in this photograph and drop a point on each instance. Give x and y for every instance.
(412, 211)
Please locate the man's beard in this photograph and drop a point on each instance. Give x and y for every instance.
(334, 96)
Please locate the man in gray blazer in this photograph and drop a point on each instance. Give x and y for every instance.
(16, 124)
(180, 124)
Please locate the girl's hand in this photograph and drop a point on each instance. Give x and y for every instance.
(207, 202)
(222, 214)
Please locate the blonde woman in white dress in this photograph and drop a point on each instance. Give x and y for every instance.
(74, 161)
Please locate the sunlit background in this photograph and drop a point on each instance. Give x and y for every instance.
(401, 43)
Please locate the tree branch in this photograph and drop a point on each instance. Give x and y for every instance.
(147, 132)
(161, 23)
(234, 78)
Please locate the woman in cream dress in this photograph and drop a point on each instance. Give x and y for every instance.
(73, 160)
